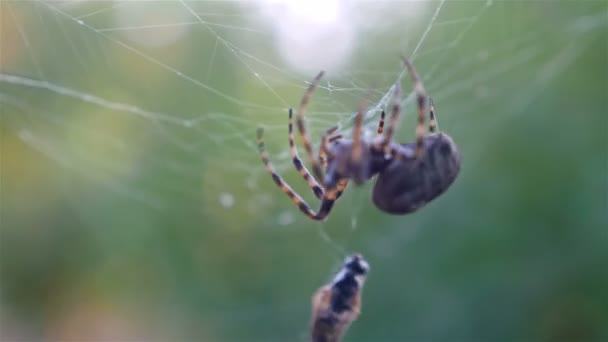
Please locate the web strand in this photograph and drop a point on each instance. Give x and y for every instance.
(219, 120)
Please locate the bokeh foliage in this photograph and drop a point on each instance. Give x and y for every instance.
(112, 228)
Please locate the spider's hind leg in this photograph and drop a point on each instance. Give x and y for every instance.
(433, 126)
(384, 143)
(421, 101)
(380, 125)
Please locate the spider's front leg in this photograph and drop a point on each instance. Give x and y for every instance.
(297, 162)
(316, 166)
(333, 189)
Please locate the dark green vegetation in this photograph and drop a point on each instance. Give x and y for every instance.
(157, 221)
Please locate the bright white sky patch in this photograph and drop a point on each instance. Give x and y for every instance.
(311, 34)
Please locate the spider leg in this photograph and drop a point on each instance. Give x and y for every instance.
(357, 131)
(297, 162)
(384, 144)
(380, 125)
(421, 100)
(316, 168)
(342, 184)
(323, 158)
(329, 197)
(323, 148)
(335, 137)
(433, 126)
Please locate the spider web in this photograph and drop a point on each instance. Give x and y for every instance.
(147, 111)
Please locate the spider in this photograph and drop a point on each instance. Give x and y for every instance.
(409, 175)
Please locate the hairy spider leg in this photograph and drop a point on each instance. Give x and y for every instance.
(385, 143)
(421, 100)
(357, 131)
(316, 168)
(327, 202)
(297, 162)
(380, 125)
(433, 125)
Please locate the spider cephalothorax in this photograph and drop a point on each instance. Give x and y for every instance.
(409, 175)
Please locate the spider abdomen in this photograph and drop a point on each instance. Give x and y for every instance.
(406, 185)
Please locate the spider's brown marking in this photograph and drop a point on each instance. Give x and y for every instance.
(302, 127)
(421, 101)
(297, 162)
(327, 200)
(392, 121)
(380, 125)
(432, 119)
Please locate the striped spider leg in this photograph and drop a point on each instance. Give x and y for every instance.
(420, 127)
(297, 162)
(380, 125)
(329, 195)
(333, 188)
(316, 167)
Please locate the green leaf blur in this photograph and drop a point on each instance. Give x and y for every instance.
(134, 206)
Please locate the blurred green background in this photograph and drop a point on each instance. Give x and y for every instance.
(134, 206)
